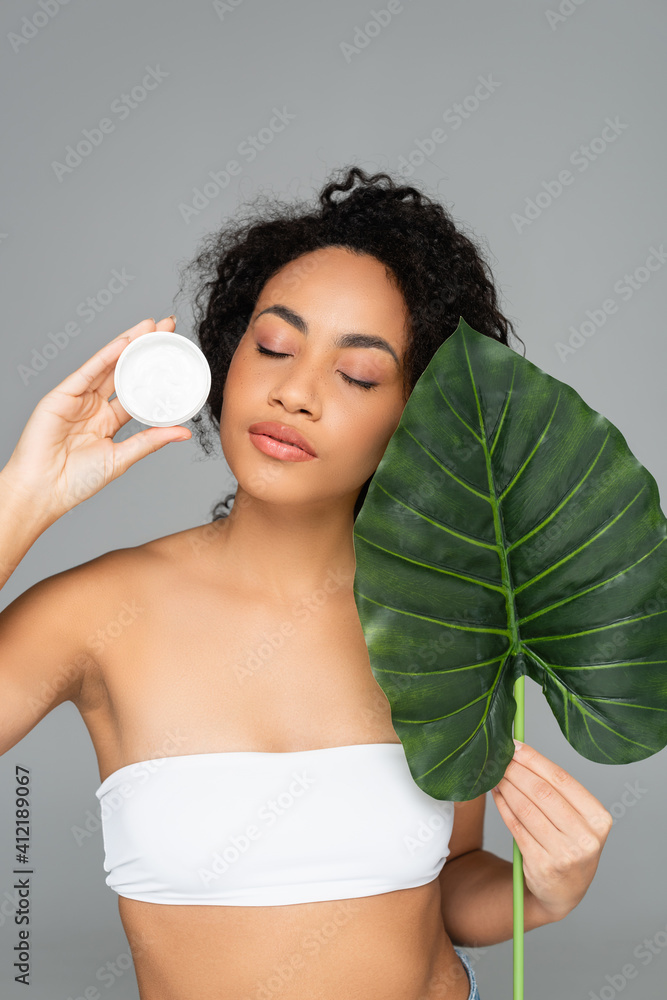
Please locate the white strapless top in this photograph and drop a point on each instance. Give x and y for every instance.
(256, 828)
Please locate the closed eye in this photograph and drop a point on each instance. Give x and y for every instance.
(348, 378)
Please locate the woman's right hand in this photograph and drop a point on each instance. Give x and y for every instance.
(66, 452)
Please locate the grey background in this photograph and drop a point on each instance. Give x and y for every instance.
(555, 84)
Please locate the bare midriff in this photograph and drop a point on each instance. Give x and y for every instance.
(392, 946)
(198, 667)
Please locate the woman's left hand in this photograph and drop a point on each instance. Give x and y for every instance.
(559, 826)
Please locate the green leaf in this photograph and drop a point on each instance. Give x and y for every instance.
(509, 530)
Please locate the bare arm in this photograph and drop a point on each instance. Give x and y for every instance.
(21, 524)
(65, 454)
(43, 659)
(477, 901)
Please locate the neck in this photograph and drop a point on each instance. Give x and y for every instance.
(288, 552)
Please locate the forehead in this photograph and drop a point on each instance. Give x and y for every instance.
(335, 288)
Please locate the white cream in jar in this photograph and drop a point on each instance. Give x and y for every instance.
(162, 379)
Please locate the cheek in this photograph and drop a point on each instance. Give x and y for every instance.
(362, 437)
(231, 412)
(379, 439)
(241, 386)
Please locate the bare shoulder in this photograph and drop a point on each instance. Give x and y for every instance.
(194, 550)
(156, 553)
(91, 589)
(190, 543)
(47, 657)
(145, 568)
(88, 587)
(55, 635)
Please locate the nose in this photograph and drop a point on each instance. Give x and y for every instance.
(297, 391)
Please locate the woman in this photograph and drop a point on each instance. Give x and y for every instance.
(250, 773)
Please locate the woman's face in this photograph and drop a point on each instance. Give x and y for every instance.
(301, 313)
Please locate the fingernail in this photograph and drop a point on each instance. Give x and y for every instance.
(518, 745)
(173, 316)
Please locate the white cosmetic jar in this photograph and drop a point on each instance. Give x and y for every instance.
(162, 379)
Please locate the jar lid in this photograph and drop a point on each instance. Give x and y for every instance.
(162, 379)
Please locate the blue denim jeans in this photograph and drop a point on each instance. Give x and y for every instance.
(474, 992)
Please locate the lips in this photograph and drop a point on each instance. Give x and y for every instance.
(281, 432)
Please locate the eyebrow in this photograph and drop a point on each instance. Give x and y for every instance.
(344, 340)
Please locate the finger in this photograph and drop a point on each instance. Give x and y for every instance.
(121, 415)
(168, 323)
(525, 841)
(128, 452)
(543, 812)
(93, 372)
(529, 761)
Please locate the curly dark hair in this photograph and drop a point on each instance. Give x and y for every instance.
(439, 270)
